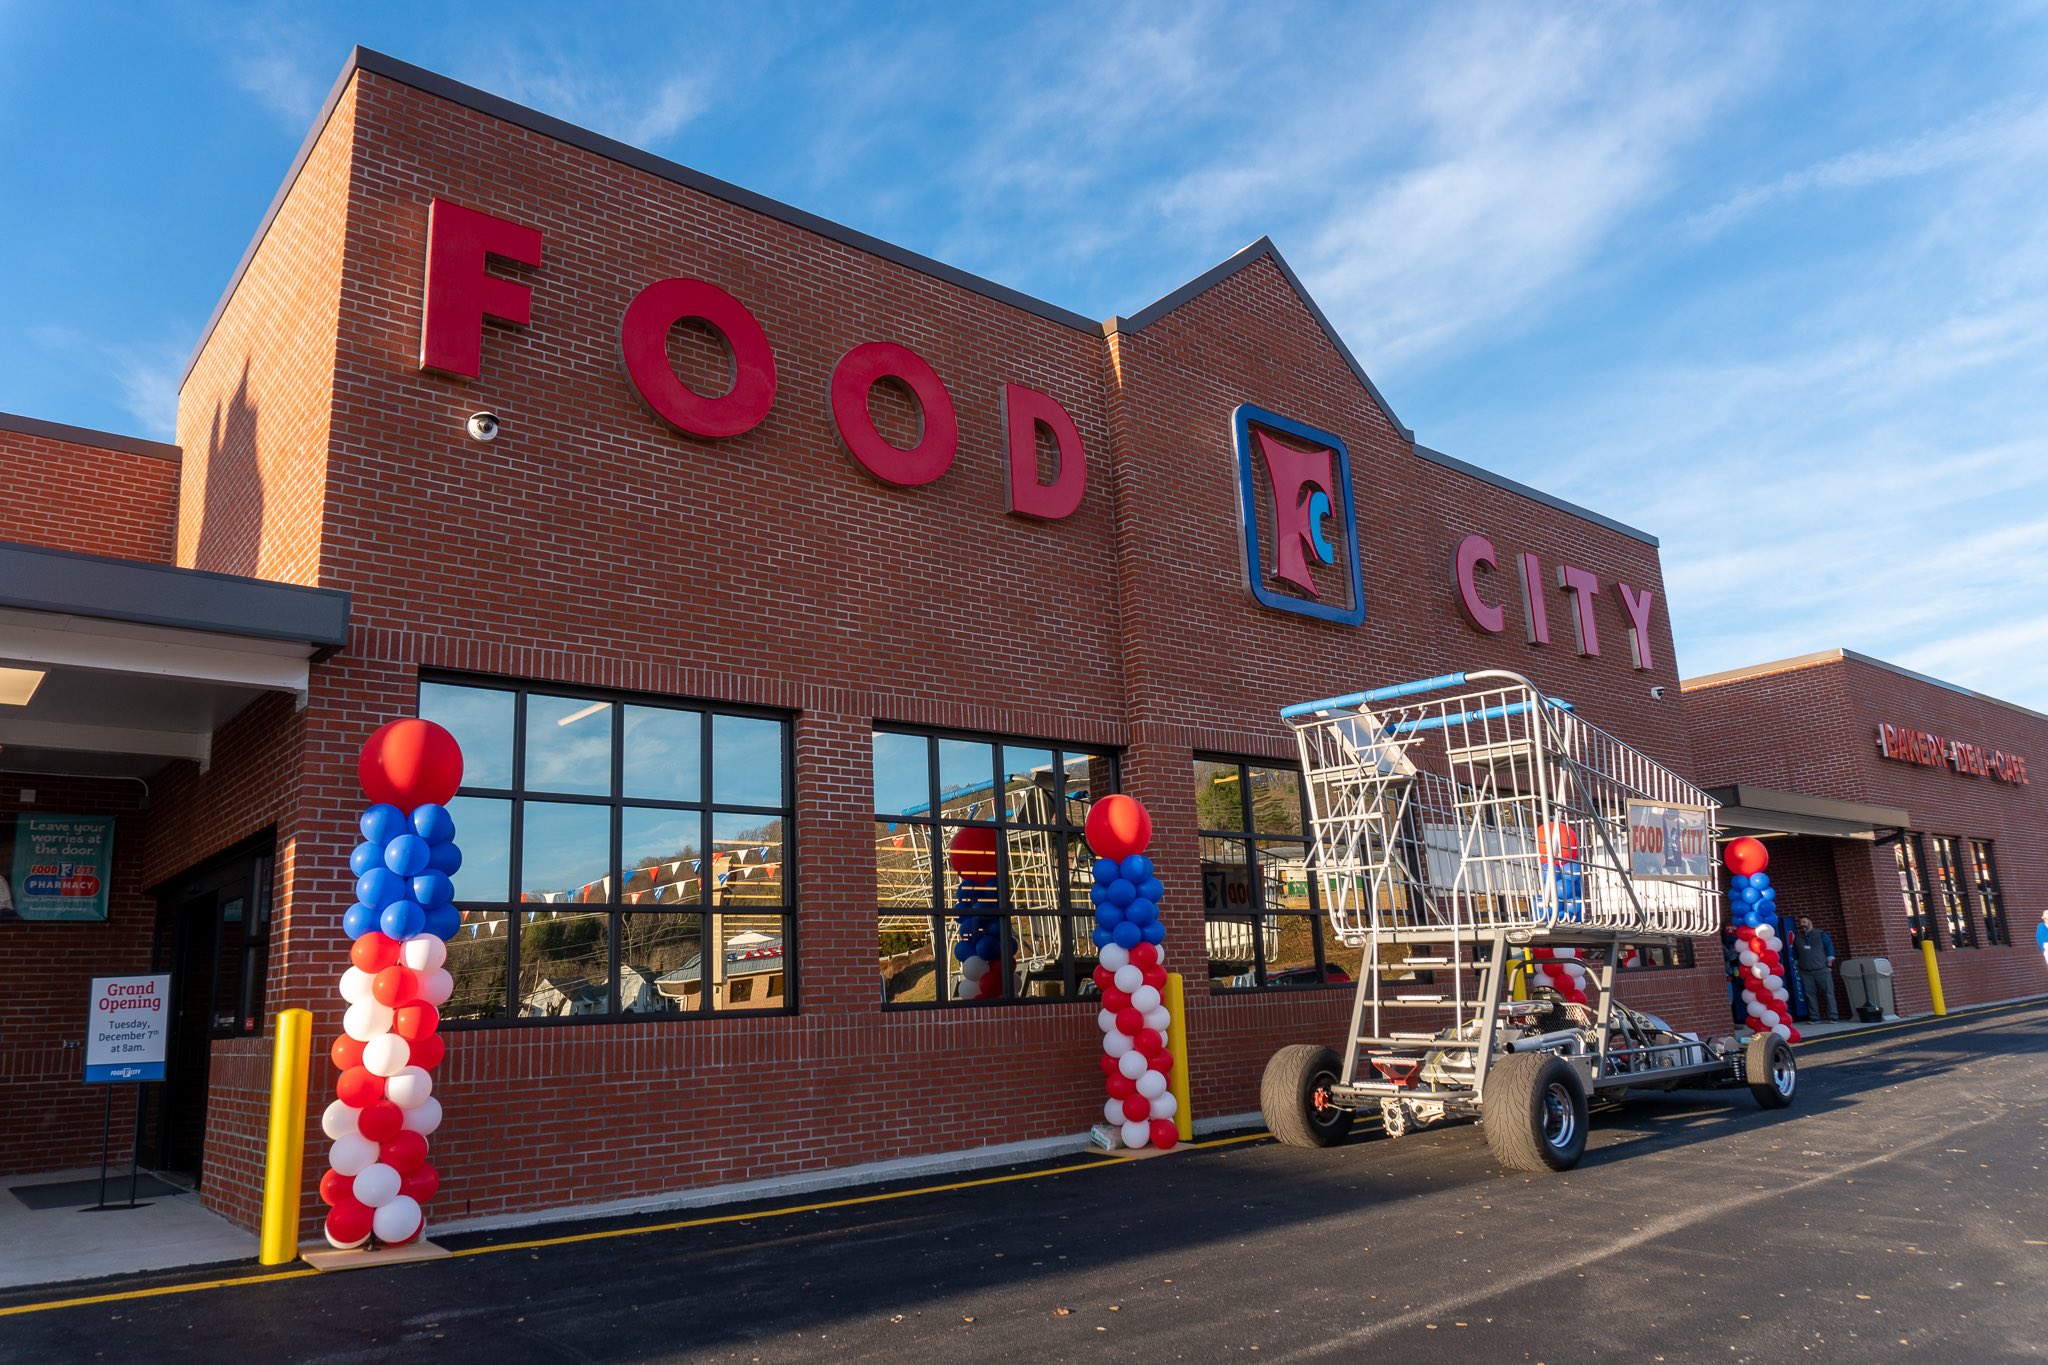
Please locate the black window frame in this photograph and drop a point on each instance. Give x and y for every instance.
(1070, 902)
(1911, 869)
(705, 911)
(1254, 840)
(1949, 887)
(1990, 896)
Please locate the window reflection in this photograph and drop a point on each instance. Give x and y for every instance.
(1089, 778)
(1030, 786)
(480, 718)
(564, 963)
(658, 963)
(568, 745)
(748, 973)
(662, 854)
(903, 778)
(746, 859)
(903, 865)
(477, 959)
(904, 950)
(483, 832)
(663, 754)
(967, 779)
(1276, 800)
(565, 853)
(746, 761)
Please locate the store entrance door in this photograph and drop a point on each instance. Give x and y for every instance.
(214, 930)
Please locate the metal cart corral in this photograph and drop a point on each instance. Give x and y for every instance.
(1461, 823)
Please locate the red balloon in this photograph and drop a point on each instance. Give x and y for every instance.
(381, 1122)
(427, 1052)
(973, 852)
(1129, 1022)
(409, 763)
(1795, 1036)
(1155, 977)
(1118, 827)
(417, 1020)
(1557, 841)
(335, 1187)
(1162, 1062)
(1146, 954)
(1115, 1001)
(373, 952)
(1137, 1108)
(349, 1221)
(1746, 857)
(1122, 1087)
(1109, 1067)
(404, 1152)
(420, 1183)
(358, 1088)
(1164, 1134)
(1105, 979)
(345, 1053)
(1149, 1043)
(395, 986)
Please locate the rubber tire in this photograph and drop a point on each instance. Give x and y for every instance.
(1516, 1090)
(1287, 1096)
(1760, 1058)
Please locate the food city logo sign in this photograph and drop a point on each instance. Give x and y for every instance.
(1929, 750)
(1476, 552)
(1293, 489)
(461, 292)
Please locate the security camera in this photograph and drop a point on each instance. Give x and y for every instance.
(483, 426)
(1656, 693)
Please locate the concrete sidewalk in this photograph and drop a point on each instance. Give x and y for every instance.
(71, 1242)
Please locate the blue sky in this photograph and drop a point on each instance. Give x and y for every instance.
(1770, 281)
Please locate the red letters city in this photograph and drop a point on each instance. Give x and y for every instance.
(1476, 552)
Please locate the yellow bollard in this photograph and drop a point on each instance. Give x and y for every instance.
(1177, 1043)
(284, 1162)
(1933, 976)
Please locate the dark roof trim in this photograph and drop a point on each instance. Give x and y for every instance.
(1828, 656)
(33, 578)
(1263, 249)
(86, 436)
(1534, 494)
(1770, 802)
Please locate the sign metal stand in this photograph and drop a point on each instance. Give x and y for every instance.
(127, 1029)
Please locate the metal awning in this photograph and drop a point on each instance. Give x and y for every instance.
(141, 663)
(1764, 811)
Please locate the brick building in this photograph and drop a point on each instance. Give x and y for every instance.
(793, 556)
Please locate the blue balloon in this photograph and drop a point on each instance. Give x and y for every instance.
(1770, 895)
(1108, 917)
(359, 920)
(1136, 868)
(444, 921)
(1152, 889)
(1127, 935)
(402, 919)
(407, 855)
(445, 859)
(1738, 881)
(1141, 912)
(1121, 893)
(1155, 932)
(382, 823)
(962, 950)
(380, 886)
(1749, 895)
(366, 856)
(988, 947)
(1106, 870)
(433, 823)
(1759, 880)
(431, 889)
(1102, 938)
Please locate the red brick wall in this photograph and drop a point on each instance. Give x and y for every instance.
(53, 1117)
(71, 496)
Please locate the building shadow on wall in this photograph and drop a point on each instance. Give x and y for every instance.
(231, 516)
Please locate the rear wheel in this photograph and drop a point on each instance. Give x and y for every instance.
(1773, 1075)
(1295, 1096)
(1534, 1113)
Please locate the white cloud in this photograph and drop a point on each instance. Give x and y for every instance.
(641, 113)
(283, 63)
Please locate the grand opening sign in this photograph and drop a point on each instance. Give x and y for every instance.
(128, 1023)
(1904, 745)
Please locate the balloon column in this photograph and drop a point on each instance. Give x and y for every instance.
(1131, 973)
(978, 949)
(1561, 971)
(1557, 845)
(378, 1175)
(1754, 902)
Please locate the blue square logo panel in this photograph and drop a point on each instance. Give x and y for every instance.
(1300, 527)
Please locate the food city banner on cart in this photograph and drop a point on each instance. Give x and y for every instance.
(62, 864)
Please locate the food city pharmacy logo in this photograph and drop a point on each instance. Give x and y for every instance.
(1300, 526)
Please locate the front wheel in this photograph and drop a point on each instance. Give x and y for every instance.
(1295, 1095)
(1772, 1073)
(1534, 1113)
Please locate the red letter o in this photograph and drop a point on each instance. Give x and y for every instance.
(858, 371)
(643, 340)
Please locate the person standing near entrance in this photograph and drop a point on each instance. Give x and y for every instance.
(1816, 968)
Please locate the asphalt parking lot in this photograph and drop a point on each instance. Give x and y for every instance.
(1898, 1211)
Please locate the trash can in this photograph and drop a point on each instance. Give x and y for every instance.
(1858, 987)
(1881, 986)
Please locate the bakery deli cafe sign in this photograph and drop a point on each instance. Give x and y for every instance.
(1903, 745)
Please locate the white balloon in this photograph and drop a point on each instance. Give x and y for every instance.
(350, 1155)
(1137, 1134)
(1769, 1017)
(1782, 1031)
(436, 985)
(355, 985)
(1114, 956)
(1145, 999)
(1164, 1106)
(974, 968)
(1775, 982)
(1151, 1085)
(1159, 1020)
(1117, 1044)
(386, 1055)
(1574, 970)
(1129, 977)
(1113, 1111)
(424, 1117)
(1106, 1020)
(424, 953)
(1747, 958)
(1133, 1064)
(408, 1089)
(397, 1220)
(339, 1121)
(366, 1020)
(376, 1185)
(1749, 997)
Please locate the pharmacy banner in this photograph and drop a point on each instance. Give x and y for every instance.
(62, 864)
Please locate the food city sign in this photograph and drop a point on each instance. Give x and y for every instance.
(1476, 552)
(1928, 750)
(461, 292)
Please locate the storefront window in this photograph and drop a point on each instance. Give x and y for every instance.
(1985, 871)
(1912, 887)
(596, 873)
(1948, 882)
(1265, 929)
(981, 872)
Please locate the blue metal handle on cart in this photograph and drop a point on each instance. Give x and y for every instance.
(1356, 699)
